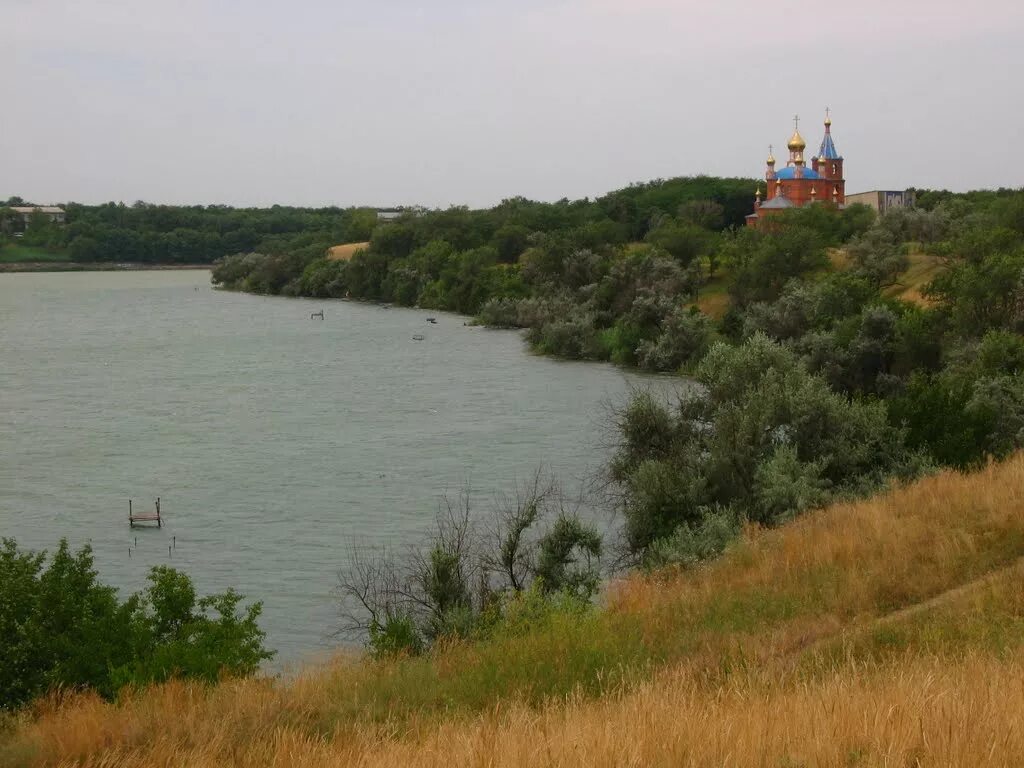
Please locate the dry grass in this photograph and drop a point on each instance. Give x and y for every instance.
(346, 251)
(839, 259)
(881, 632)
(915, 711)
(923, 269)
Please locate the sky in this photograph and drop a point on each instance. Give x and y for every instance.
(468, 102)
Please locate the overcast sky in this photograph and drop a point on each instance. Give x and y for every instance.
(319, 102)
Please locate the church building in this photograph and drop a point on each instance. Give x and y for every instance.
(797, 185)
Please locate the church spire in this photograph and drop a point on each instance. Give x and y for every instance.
(827, 151)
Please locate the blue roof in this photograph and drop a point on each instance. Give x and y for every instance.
(789, 172)
(828, 149)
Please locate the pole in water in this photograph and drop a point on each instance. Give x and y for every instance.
(129, 551)
(136, 541)
(174, 540)
(168, 551)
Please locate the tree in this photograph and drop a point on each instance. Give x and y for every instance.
(761, 436)
(62, 628)
(983, 295)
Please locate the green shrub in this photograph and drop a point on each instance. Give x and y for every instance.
(761, 435)
(396, 636)
(62, 628)
(688, 546)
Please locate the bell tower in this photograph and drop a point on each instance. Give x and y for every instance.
(829, 163)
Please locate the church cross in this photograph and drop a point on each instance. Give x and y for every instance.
(796, 122)
(771, 148)
(828, 113)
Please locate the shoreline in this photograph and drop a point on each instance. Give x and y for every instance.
(93, 266)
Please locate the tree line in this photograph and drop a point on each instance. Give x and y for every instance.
(145, 232)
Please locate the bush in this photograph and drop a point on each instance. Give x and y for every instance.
(689, 546)
(761, 435)
(499, 313)
(61, 628)
(574, 337)
(468, 582)
(685, 336)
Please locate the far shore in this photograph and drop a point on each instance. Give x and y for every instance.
(91, 266)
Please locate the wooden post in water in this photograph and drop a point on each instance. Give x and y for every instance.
(131, 522)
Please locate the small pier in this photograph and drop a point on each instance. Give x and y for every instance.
(146, 517)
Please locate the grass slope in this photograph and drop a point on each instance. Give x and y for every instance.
(923, 269)
(882, 632)
(346, 251)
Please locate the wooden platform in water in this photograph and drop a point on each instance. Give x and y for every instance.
(150, 517)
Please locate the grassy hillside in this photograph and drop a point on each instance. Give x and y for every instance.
(880, 632)
(346, 251)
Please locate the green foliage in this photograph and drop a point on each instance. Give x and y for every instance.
(762, 436)
(567, 543)
(979, 295)
(467, 585)
(688, 546)
(878, 255)
(685, 336)
(398, 635)
(62, 628)
(683, 241)
(762, 263)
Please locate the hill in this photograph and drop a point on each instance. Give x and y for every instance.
(879, 632)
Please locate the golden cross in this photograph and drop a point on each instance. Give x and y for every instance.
(796, 122)
(828, 113)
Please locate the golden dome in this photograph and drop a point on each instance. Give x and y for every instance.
(828, 121)
(796, 142)
(771, 159)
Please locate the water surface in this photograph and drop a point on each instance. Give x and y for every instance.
(275, 442)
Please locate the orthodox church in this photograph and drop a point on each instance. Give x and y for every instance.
(796, 185)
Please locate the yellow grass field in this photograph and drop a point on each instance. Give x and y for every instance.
(923, 269)
(884, 632)
(346, 251)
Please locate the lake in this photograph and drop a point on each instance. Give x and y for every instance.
(276, 442)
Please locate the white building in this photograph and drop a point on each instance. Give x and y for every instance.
(52, 212)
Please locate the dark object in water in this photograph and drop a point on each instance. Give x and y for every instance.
(151, 518)
(319, 314)
(432, 320)
(418, 337)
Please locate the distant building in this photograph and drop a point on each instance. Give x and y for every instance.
(386, 216)
(796, 185)
(52, 212)
(882, 200)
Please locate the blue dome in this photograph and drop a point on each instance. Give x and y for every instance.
(789, 172)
